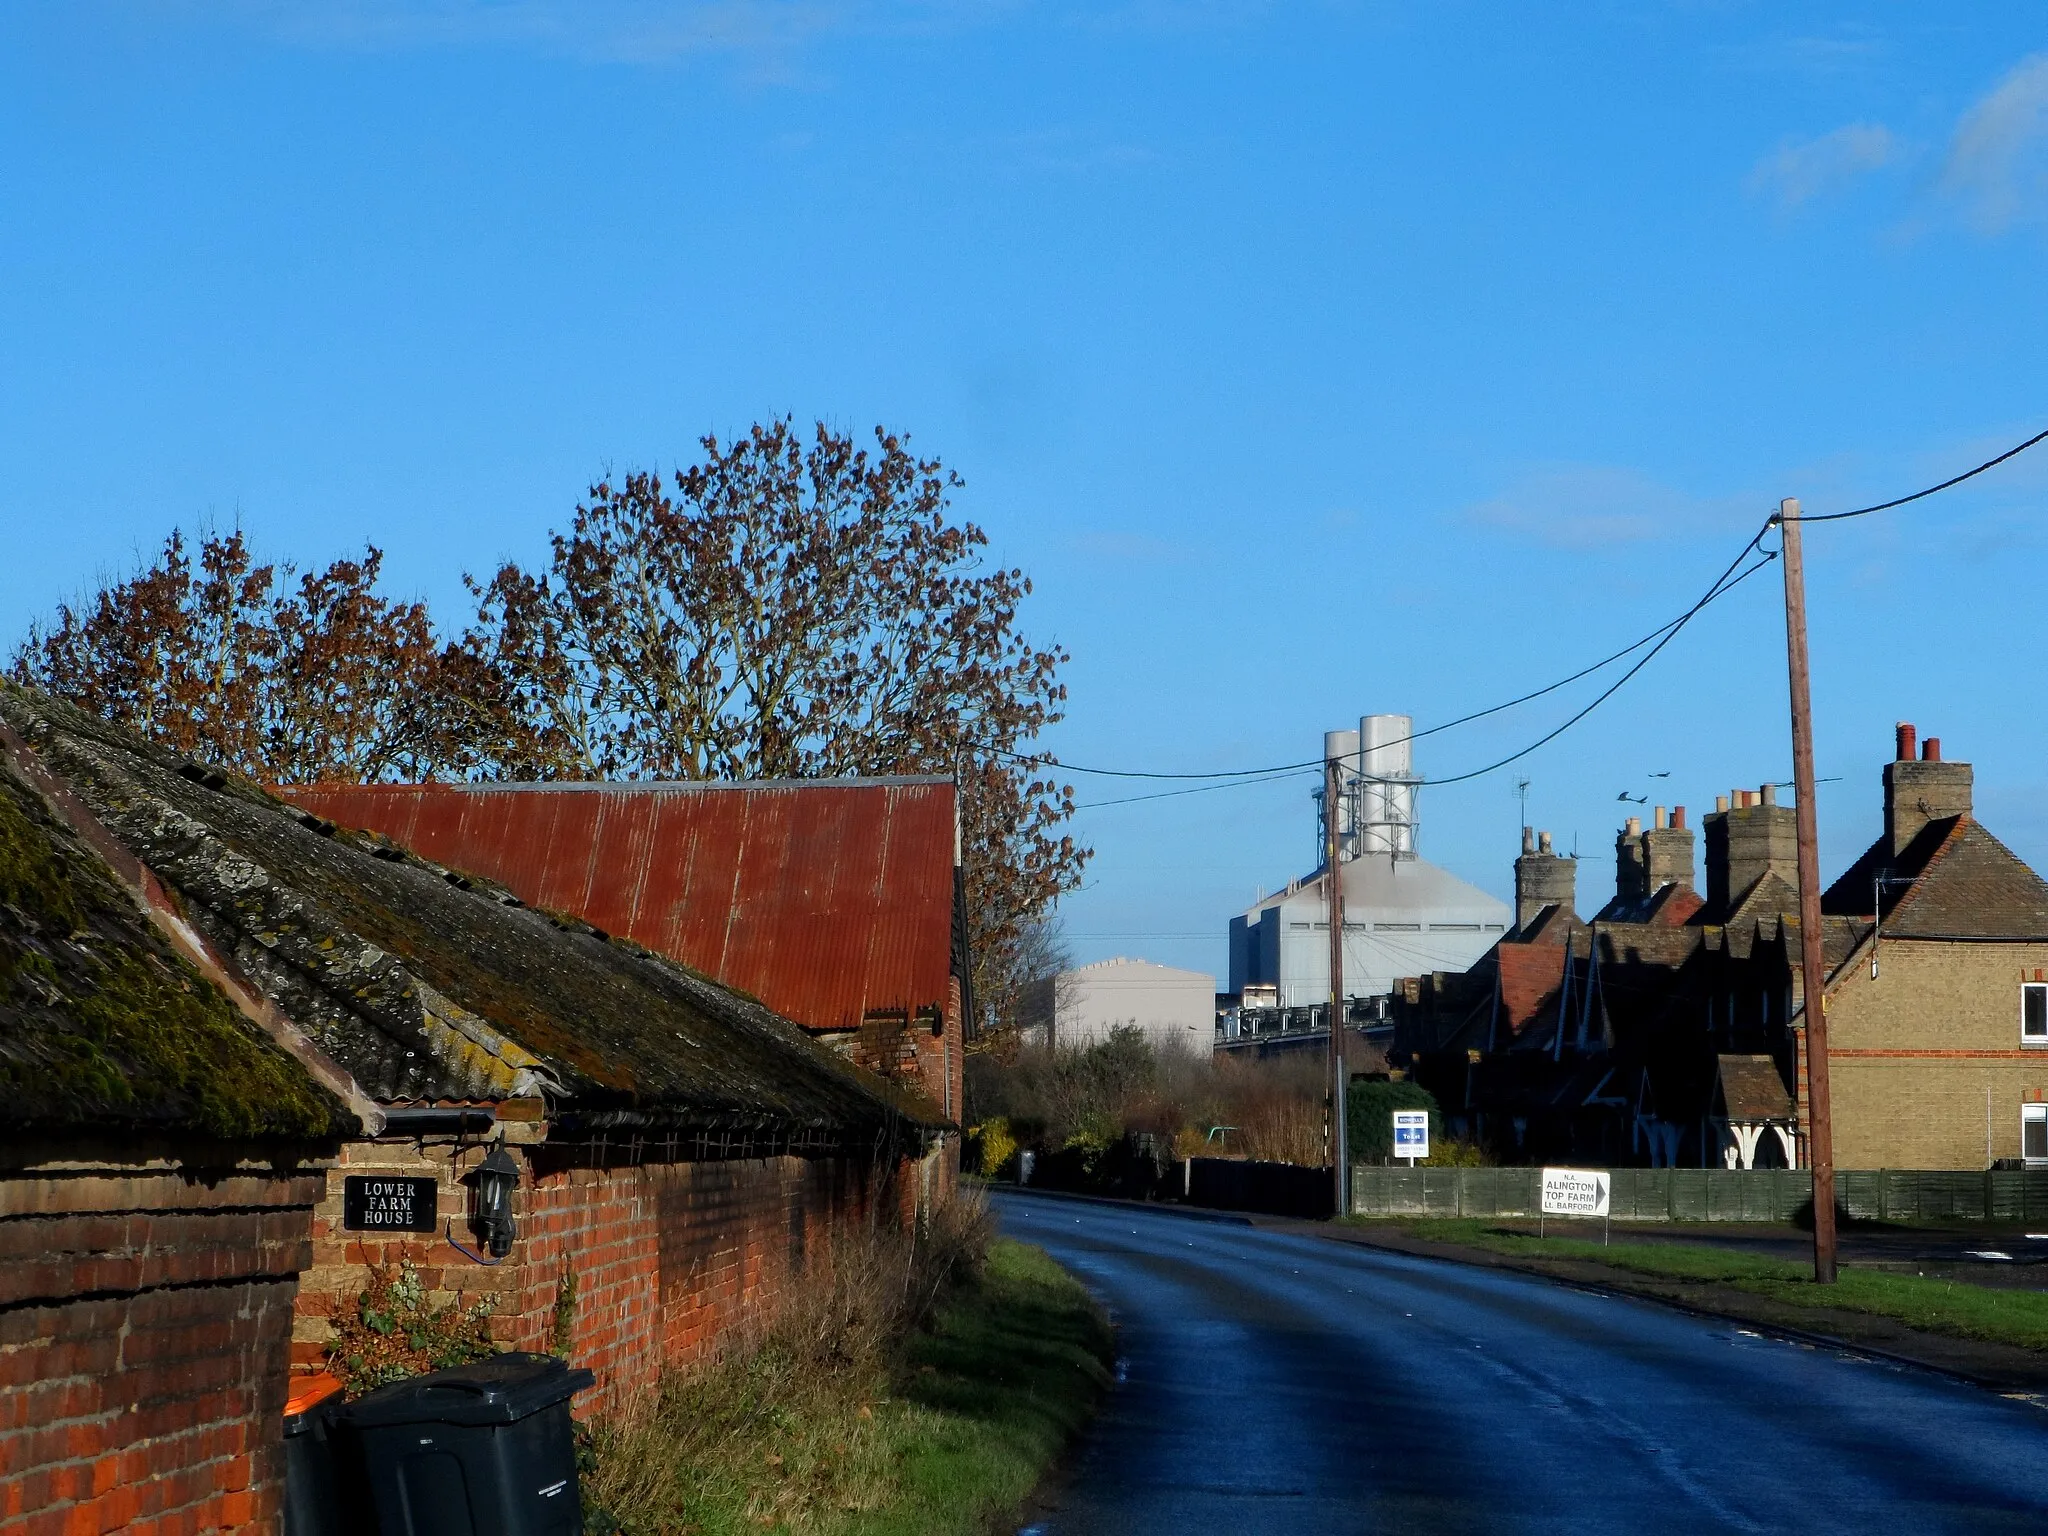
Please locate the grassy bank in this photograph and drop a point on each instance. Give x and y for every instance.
(1953, 1308)
(843, 1422)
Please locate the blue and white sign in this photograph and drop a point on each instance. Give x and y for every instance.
(1411, 1134)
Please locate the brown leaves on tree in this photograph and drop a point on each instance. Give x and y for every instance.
(785, 608)
(797, 609)
(289, 682)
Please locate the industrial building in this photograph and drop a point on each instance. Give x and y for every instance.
(1176, 1009)
(1403, 916)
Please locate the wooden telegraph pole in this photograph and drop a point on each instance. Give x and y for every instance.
(1333, 885)
(1813, 969)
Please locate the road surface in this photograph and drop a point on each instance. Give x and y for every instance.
(1278, 1383)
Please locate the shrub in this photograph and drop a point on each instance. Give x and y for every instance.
(395, 1332)
(1369, 1117)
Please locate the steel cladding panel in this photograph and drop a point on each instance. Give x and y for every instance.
(825, 901)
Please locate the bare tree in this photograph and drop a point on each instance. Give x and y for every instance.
(793, 608)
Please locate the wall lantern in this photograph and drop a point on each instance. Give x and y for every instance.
(495, 1181)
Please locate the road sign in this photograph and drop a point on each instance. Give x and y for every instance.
(1574, 1192)
(1411, 1134)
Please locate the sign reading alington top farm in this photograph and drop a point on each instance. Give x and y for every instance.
(1575, 1192)
(377, 1202)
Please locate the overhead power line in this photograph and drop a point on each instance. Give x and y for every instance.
(1656, 640)
(1968, 474)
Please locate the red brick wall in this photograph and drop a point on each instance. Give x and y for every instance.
(668, 1257)
(145, 1325)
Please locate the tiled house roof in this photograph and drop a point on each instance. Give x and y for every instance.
(829, 900)
(1955, 880)
(103, 1026)
(1751, 1089)
(428, 986)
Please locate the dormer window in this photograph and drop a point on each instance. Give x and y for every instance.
(2034, 1013)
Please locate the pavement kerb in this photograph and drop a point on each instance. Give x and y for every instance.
(2031, 1384)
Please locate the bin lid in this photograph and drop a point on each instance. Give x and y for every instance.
(307, 1393)
(500, 1390)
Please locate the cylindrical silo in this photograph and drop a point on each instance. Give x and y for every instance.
(1387, 790)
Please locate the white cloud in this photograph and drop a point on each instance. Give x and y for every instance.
(1797, 171)
(1583, 506)
(1998, 160)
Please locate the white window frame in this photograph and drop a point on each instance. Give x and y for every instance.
(2032, 1114)
(2027, 990)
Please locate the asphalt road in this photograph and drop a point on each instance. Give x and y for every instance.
(1276, 1383)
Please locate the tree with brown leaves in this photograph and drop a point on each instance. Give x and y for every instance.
(793, 608)
(286, 682)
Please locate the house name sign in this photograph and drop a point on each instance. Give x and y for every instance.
(376, 1202)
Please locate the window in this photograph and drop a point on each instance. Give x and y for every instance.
(2034, 1013)
(1397, 927)
(1453, 927)
(2034, 1133)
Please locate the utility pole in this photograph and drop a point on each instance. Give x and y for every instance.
(1340, 1081)
(1813, 969)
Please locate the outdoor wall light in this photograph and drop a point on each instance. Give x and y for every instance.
(495, 1181)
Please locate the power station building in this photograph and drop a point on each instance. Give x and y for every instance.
(1403, 916)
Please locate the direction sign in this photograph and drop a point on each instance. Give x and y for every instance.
(1411, 1134)
(1574, 1192)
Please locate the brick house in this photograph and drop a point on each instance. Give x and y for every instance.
(681, 1150)
(839, 903)
(1636, 1037)
(160, 1160)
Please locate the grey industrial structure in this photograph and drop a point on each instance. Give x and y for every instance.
(1402, 914)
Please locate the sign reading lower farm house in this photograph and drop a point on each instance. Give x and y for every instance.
(381, 1203)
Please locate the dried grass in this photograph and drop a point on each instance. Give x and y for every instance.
(781, 1431)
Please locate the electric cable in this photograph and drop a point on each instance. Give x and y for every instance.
(1886, 506)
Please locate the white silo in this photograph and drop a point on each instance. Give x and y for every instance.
(1386, 770)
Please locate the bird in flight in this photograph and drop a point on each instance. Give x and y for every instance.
(1633, 799)
(1664, 775)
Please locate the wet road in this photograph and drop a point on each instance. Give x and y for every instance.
(1274, 1383)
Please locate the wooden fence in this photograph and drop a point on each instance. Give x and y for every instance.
(1713, 1194)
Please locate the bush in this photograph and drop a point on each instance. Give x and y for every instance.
(395, 1332)
(1369, 1117)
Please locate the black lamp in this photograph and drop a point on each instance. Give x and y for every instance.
(495, 1181)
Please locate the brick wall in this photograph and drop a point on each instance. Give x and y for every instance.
(669, 1257)
(145, 1323)
(1917, 1057)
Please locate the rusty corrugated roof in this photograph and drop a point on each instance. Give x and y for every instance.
(826, 899)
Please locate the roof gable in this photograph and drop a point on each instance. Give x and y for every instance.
(103, 1025)
(1972, 887)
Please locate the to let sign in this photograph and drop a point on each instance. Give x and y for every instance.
(1411, 1133)
(376, 1202)
(1574, 1192)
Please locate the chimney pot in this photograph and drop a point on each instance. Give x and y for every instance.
(1678, 816)
(1543, 842)
(1930, 750)
(1906, 738)
(1721, 803)
(1635, 826)
(1528, 840)
(1768, 794)
(1658, 821)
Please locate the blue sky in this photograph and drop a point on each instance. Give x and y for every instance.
(1314, 358)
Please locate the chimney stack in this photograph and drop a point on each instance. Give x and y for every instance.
(1746, 840)
(1923, 791)
(1543, 879)
(1667, 852)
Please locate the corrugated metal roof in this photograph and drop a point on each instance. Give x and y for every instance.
(826, 899)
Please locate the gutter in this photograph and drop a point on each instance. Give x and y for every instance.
(149, 894)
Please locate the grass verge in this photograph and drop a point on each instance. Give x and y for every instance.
(1952, 1308)
(838, 1422)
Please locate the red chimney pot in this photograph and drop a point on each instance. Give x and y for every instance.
(1930, 750)
(1678, 816)
(1907, 736)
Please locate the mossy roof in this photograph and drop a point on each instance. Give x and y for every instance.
(103, 1026)
(427, 985)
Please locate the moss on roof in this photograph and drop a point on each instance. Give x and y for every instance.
(103, 1025)
(424, 988)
